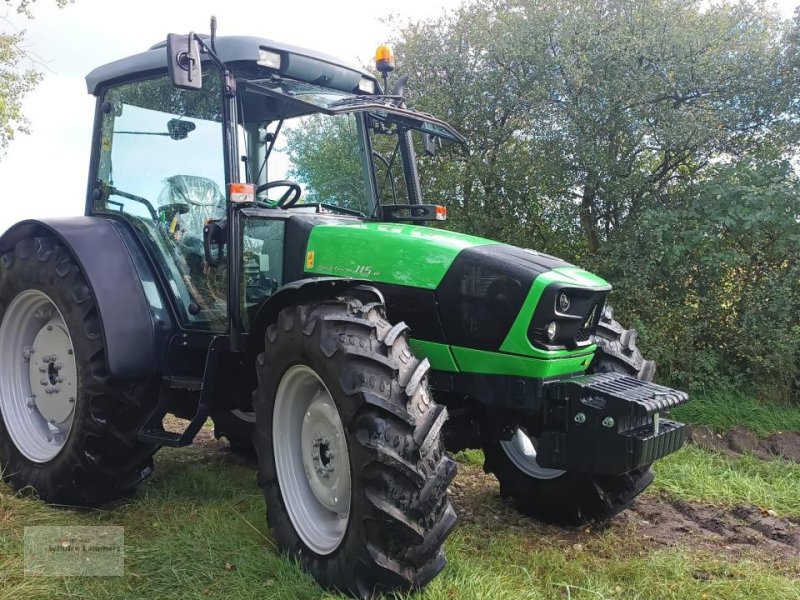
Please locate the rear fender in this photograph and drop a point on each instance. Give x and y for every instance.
(107, 262)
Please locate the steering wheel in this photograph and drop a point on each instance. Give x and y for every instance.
(290, 196)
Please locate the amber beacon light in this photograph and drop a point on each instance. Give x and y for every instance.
(384, 62)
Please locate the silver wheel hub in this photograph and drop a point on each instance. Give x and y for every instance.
(39, 386)
(521, 450)
(313, 467)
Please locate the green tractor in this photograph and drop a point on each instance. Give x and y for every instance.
(249, 253)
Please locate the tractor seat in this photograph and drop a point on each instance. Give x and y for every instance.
(193, 201)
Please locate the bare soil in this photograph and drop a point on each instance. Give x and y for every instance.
(739, 441)
(654, 520)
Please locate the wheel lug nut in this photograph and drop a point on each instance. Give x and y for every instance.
(49, 328)
(608, 422)
(42, 369)
(580, 418)
(44, 382)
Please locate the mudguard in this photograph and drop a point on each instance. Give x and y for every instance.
(107, 263)
(298, 292)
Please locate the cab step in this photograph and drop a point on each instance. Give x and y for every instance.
(153, 432)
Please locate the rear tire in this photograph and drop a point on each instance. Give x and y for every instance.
(94, 455)
(565, 497)
(398, 515)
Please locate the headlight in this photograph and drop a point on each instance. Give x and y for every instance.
(608, 312)
(552, 331)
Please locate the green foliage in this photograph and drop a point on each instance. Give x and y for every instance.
(325, 157)
(24, 7)
(16, 81)
(582, 113)
(714, 280)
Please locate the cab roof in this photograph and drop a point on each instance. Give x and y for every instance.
(299, 63)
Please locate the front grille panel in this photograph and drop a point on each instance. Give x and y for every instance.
(576, 325)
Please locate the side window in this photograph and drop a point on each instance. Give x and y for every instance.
(161, 166)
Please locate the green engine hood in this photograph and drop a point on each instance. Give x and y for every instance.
(386, 252)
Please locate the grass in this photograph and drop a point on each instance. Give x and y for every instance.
(696, 474)
(197, 530)
(721, 410)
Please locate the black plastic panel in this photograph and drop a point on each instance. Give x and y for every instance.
(576, 325)
(483, 292)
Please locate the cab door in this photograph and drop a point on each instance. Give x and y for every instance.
(160, 166)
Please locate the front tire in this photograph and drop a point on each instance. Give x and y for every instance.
(350, 457)
(564, 497)
(67, 430)
(237, 427)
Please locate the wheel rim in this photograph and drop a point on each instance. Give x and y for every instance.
(40, 383)
(521, 450)
(313, 468)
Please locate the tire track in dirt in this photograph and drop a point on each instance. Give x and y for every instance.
(671, 522)
(654, 521)
(739, 441)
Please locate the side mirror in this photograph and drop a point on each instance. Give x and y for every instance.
(183, 61)
(431, 144)
(178, 129)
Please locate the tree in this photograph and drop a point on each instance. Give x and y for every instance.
(16, 81)
(714, 286)
(324, 153)
(582, 113)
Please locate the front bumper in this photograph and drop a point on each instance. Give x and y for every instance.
(607, 423)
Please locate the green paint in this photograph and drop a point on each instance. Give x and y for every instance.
(454, 359)
(387, 252)
(495, 363)
(582, 278)
(439, 355)
(517, 341)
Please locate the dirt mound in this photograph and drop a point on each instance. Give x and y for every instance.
(739, 441)
(660, 520)
(741, 529)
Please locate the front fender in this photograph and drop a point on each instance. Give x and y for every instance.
(299, 292)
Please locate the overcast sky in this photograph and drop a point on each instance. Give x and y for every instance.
(44, 174)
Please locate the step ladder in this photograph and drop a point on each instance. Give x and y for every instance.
(153, 431)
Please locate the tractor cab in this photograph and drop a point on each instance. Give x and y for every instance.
(224, 175)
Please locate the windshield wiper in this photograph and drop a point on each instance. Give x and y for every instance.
(377, 99)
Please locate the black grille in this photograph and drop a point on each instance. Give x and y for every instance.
(583, 335)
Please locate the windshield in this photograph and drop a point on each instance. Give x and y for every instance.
(308, 97)
(342, 150)
(322, 154)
